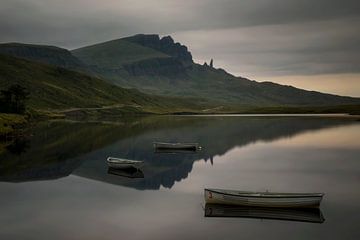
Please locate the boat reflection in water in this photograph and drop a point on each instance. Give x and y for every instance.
(130, 172)
(312, 215)
(175, 151)
(176, 147)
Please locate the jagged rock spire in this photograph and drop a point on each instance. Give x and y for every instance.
(212, 63)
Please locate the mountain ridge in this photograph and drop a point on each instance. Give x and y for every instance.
(182, 77)
(165, 44)
(163, 67)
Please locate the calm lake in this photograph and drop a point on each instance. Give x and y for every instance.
(55, 184)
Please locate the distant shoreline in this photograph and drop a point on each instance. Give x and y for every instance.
(272, 115)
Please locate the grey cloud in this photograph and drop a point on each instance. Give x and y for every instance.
(287, 49)
(72, 23)
(247, 37)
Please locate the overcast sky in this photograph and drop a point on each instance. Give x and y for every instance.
(306, 43)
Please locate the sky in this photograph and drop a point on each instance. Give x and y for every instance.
(309, 44)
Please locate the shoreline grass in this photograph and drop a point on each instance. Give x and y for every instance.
(11, 122)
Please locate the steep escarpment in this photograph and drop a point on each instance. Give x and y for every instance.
(163, 66)
(138, 57)
(167, 67)
(165, 45)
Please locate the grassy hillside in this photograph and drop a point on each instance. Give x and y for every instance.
(177, 75)
(54, 88)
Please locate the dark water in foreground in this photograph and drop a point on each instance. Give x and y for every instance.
(56, 184)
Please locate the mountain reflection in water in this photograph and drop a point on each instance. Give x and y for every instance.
(60, 148)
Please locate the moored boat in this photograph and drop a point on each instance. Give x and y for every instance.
(262, 199)
(120, 163)
(176, 146)
(312, 215)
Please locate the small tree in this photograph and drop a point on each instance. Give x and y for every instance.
(14, 99)
(5, 101)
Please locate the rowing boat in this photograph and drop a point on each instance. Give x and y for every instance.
(262, 199)
(176, 146)
(312, 215)
(123, 163)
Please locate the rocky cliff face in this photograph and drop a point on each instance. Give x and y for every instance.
(44, 54)
(167, 67)
(165, 45)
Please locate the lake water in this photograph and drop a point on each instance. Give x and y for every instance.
(56, 185)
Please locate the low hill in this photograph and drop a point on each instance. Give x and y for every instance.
(55, 88)
(161, 66)
(44, 54)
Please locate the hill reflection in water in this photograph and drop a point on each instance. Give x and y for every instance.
(60, 148)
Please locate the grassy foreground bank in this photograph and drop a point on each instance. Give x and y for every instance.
(10, 123)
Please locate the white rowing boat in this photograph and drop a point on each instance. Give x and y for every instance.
(123, 163)
(262, 199)
(176, 146)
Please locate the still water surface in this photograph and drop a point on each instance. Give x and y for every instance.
(56, 185)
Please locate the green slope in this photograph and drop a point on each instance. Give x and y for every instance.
(55, 88)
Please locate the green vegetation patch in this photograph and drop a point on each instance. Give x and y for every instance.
(10, 122)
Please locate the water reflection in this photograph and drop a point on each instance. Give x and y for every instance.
(130, 172)
(60, 148)
(18, 146)
(299, 154)
(312, 215)
(175, 151)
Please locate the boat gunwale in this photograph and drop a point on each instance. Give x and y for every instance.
(269, 194)
(187, 144)
(176, 143)
(122, 161)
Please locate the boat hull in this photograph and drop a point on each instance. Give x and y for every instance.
(229, 197)
(117, 163)
(123, 165)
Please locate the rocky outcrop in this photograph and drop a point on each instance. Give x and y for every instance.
(167, 67)
(165, 45)
(212, 63)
